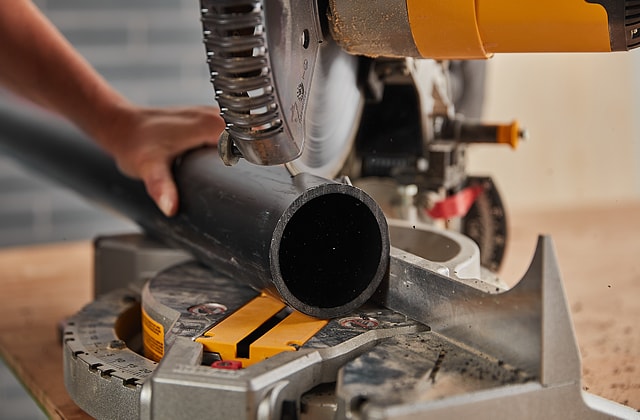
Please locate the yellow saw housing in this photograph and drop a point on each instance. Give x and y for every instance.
(479, 28)
(472, 29)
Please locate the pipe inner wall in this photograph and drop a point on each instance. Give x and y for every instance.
(329, 252)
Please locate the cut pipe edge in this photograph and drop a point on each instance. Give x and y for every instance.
(330, 251)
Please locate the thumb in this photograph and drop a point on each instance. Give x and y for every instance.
(161, 188)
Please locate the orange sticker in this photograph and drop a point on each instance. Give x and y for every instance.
(152, 338)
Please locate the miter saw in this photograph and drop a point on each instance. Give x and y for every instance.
(337, 324)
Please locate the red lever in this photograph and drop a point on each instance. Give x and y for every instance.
(456, 205)
(227, 364)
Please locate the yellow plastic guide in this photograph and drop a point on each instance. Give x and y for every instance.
(290, 333)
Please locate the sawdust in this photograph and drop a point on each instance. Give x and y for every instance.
(596, 248)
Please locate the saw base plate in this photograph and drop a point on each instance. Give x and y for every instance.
(374, 363)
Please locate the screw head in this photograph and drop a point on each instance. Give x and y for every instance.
(228, 152)
(117, 345)
(356, 322)
(210, 308)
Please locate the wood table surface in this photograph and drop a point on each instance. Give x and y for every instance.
(599, 257)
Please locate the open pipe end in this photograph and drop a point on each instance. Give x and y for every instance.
(331, 250)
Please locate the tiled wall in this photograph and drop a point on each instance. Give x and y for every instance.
(151, 51)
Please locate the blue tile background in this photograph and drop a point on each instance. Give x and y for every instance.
(149, 50)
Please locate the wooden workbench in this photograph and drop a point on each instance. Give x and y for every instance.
(599, 254)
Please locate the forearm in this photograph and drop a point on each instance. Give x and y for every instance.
(36, 62)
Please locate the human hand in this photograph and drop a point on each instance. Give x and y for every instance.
(145, 141)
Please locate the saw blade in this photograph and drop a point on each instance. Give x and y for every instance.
(333, 112)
